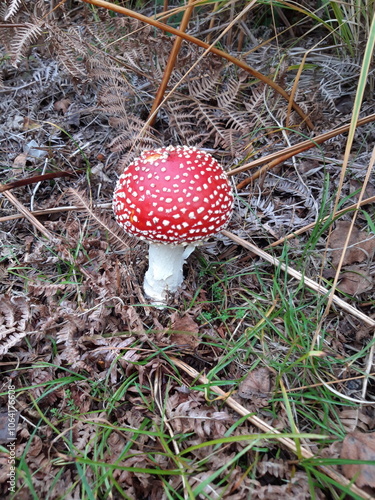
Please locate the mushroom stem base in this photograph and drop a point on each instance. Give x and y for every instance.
(165, 270)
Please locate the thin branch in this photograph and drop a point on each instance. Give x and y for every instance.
(171, 63)
(36, 178)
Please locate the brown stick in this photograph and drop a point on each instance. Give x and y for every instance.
(297, 148)
(200, 43)
(34, 180)
(170, 64)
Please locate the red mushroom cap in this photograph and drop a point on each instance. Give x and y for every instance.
(173, 195)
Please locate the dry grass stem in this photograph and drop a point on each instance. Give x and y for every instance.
(28, 215)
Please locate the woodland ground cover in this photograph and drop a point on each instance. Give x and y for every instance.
(257, 379)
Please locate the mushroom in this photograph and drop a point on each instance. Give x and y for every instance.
(172, 197)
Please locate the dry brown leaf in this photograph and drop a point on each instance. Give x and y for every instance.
(355, 280)
(257, 383)
(361, 244)
(19, 162)
(359, 446)
(29, 124)
(184, 331)
(62, 105)
(354, 418)
(355, 185)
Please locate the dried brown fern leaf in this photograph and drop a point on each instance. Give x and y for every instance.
(14, 311)
(239, 120)
(70, 328)
(68, 334)
(205, 86)
(9, 338)
(111, 352)
(71, 51)
(115, 90)
(22, 40)
(12, 9)
(273, 467)
(209, 117)
(134, 139)
(255, 101)
(116, 31)
(84, 432)
(296, 187)
(236, 141)
(39, 288)
(119, 100)
(14, 321)
(229, 95)
(114, 235)
(182, 120)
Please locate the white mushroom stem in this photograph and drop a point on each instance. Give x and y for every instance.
(165, 270)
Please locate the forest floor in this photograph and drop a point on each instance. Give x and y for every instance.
(246, 385)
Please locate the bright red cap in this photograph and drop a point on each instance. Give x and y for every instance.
(173, 195)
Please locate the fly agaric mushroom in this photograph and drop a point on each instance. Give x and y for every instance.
(173, 198)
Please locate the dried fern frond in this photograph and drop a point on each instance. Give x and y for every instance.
(12, 9)
(206, 86)
(209, 117)
(71, 50)
(230, 93)
(14, 321)
(115, 236)
(293, 186)
(182, 120)
(22, 40)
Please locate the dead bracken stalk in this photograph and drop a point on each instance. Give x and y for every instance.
(171, 63)
(33, 180)
(276, 158)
